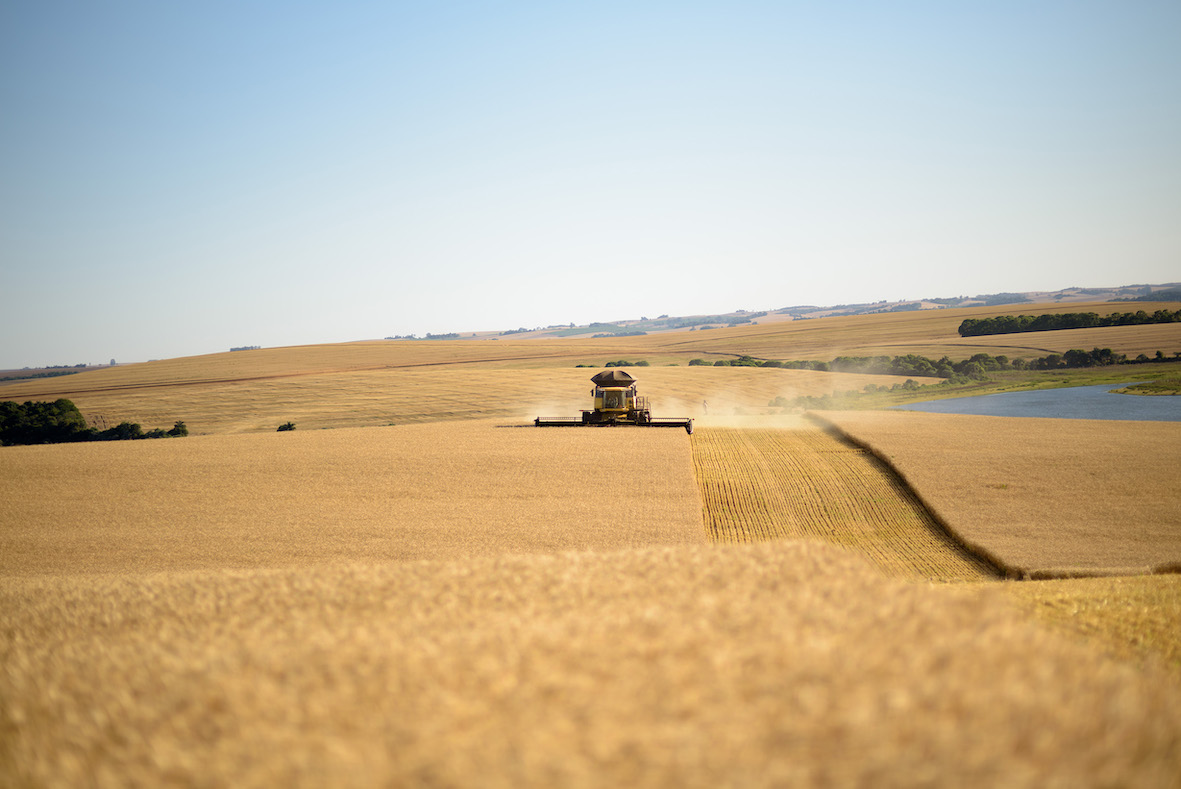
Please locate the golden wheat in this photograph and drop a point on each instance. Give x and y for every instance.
(1043, 497)
(258, 609)
(414, 396)
(768, 483)
(286, 499)
(759, 665)
(1133, 617)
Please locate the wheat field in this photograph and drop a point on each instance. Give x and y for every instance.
(1131, 617)
(764, 479)
(773, 483)
(255, 610)
(785, 663)
(378, 383)
(451, 490)
(462, 599)
(374, 398)
(1042, 498)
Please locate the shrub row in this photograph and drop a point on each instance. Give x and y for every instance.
(974, 367)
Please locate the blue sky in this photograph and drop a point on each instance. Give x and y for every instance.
(177, 179)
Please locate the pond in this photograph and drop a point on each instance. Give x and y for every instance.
(1077, 402)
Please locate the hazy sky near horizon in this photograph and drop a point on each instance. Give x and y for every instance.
(180, 178)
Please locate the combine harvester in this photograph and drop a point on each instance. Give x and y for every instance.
(616, 403)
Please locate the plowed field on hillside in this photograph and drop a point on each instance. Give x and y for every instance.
(762, 484)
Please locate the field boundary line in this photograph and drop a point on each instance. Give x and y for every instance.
(1002, 568)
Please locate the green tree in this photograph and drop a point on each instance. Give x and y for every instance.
(35, 422)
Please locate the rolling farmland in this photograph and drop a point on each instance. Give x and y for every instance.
(1043, 497)
(419, 395)
(932, 333)
(460, 599)
(402, 382)
(786, 480)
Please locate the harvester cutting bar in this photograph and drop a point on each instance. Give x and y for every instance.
(564, 421)
(669, 421)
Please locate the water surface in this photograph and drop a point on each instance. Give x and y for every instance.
(1076, 402)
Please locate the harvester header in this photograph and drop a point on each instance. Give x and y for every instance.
(616, 402)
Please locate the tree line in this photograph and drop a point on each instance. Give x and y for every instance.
(61, 422)
(50, 373)
(975, 367)
(1013, 324)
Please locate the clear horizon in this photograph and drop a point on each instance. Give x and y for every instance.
(616, 319)
(182, 180)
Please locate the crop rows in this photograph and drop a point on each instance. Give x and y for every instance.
(766, 484)
(1047, 498)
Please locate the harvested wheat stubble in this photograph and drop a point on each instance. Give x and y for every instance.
(286, 499)
(789, 663)
(1042, 497)
(774, 483)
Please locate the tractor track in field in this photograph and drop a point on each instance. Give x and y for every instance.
(760, 484)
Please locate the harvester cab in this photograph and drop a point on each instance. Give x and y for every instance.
(616, 402)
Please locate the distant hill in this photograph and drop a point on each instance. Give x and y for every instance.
(664, 323)
(54, 371)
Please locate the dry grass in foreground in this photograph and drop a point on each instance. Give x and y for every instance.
(439, 491)
(767, 483)
(777, 664)
(1134, 617)
(1042, 497)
